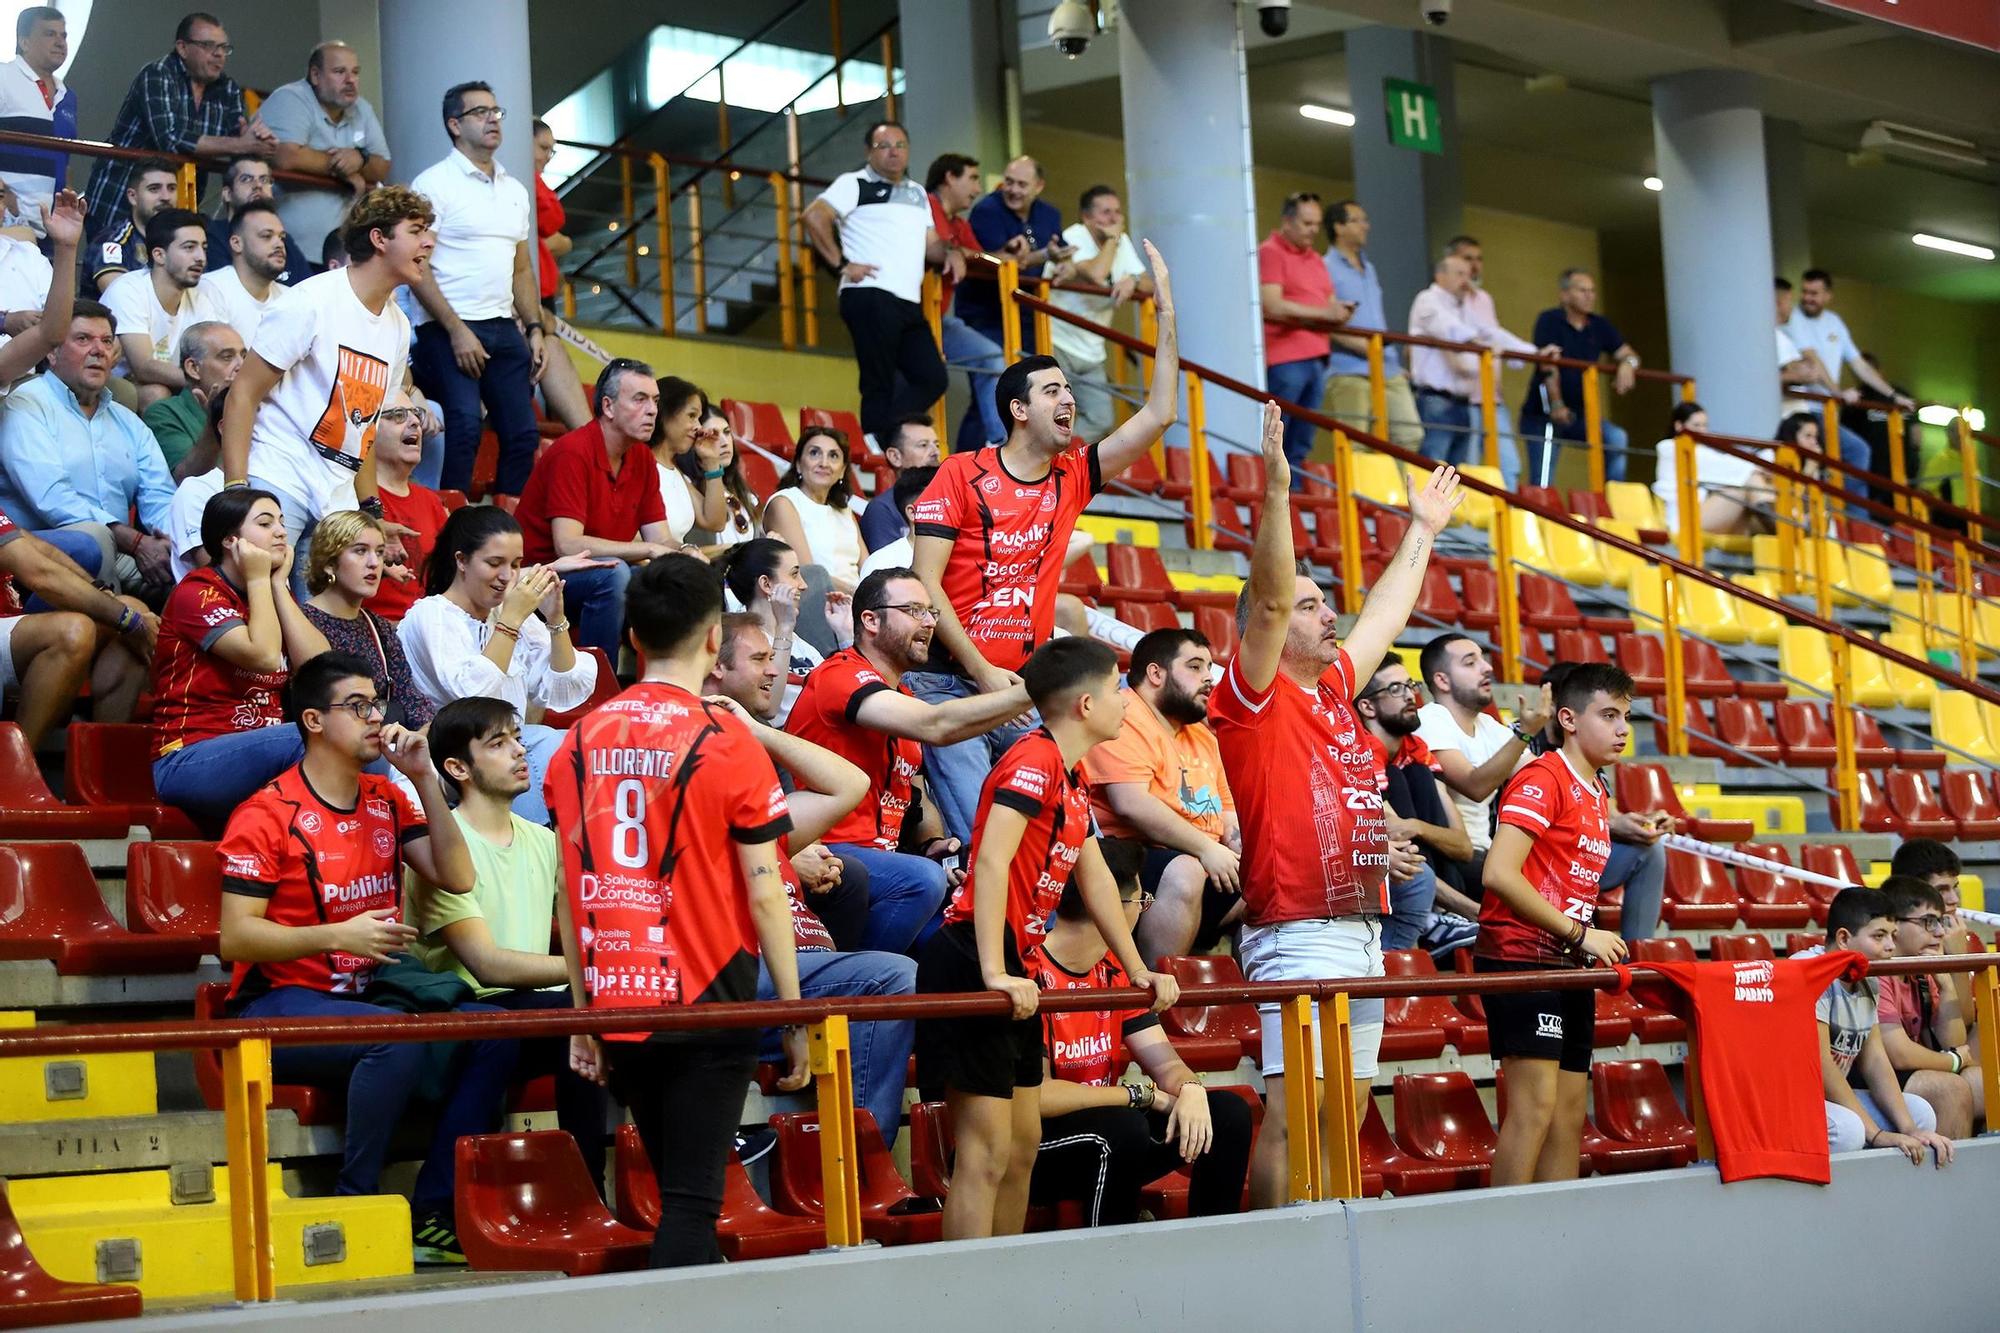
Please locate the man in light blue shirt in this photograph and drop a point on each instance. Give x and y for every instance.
(76, 464)
(1356, 282)
(1814, 328)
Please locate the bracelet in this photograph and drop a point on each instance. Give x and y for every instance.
(1141, 1095)
(502, 627)
(128, 620)
(1869, 1142)
(372, 506)
(715, 474)
(234, 485)
(560, 626)
(1957, 1062)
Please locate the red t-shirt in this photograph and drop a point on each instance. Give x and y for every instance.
(809, 933)
(197, 694)
(957, 231)
(825, 714)
(1302, 276)
(317, 864)
(549, 219)
(574, 480)
(1568, 823)
(1760, 1070)
(1082, 1047)
(1009, 540)
(1031, 778)
(422, 511)
(1300, 760)
(651, 794)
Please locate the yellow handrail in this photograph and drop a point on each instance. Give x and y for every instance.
(1489, 407)
(629, 210)
(1593, 426)
(663, 217)
(1201, 502)
(1676, 665)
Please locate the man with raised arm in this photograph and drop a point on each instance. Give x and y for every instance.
(992, 536)
(1317, 856)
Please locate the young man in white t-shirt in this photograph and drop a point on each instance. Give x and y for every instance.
(1476, 750)
(302, 411)
(1105, 257)
(152, 305)
(251, 286)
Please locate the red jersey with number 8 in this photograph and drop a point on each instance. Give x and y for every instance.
(1568, 822)
(652, 793)
(1030, 779)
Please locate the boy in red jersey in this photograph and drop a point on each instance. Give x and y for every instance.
(1542, 872)
(991, 536)
(1032, 839)
(1317, 857)
(670, 814)
(312, 905)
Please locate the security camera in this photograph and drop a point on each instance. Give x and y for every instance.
(1274, 17)
(1071, 26)
(1436, 12)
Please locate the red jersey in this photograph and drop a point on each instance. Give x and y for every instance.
(952, 231)
(825, 713)
(422, 511)
(316, 864)
(1009, 538)
(809, 933)
(199, 695)
(1568, 822)
(1031, 778)
(651, 793)
(1084, 1047)
(1300, 760)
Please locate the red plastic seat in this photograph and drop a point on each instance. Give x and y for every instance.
(1771, 901)
(1741, 725)
(1700, 730)
(1219, 628)
(1835, 861)
(1143, 476)
(1244, 476)
(1613, 1027)
(1646, 789)
(1535, 654)
(1648, 1024)
(1436, 600)
(1318, 544)
(1699, 893)
(839, 419)
(1479, 593)
(1917, 808)
(1465, 1033)
(50, 909)
(28, 809)
(312, 1106)
(1634, 1107)
(1239, 1021)
(1439, 1118)
(1872, 749)
(1799, 940)
(1669, 950)
(795, 1181)
(760, 474)
(1968, 798)
(1739, 948)
(606, 689)
(109, 766)
(31, 1298)
(1645, 661)
(1589, 504)
(1232, 528)
(1580, 645)
(1081, 579)
(1145, 616)
(1137, 573)
(526, 1202)
(1403, 1174)
(453, 501)
(1806, 734)
(762, 424)
(1708, 675)
(1179, 483)
(930, 1150)
(749, 1228)
(1877, 814)
(1546, 604)
(175, 888)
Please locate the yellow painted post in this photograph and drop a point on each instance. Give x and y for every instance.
(1340, 1126)
(1968, 465)
(1302, 1149)
(569, 300)
(1899, 467)
(187, 186)
(1688, 499)
(1350, 523)
(831, 1062)
(246, 1078)
(1670, 636)
(1378, 389)
(1593, 426)
(1822, 586)
(1687, 390)
(1926, 579)
(628, 211)
(1788, 534)
(663, 242)
(1846, 781)
(934, 316)
(1043, 333)
(1202, 501)
(808, 290)
(1509, 608)
(788, 319)
(1829, 439)
(1986, 1008)
(1489, 407)
(1010, 313)
(1968, 637)
(696, 263)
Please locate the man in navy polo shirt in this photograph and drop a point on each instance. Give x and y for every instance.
(1013, 221)
(1575, 327)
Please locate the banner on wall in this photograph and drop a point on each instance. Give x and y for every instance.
(1969, 21)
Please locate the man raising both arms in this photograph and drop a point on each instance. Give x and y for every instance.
(991, 536)
(1298, 759)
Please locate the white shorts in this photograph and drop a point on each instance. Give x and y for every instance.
(1312, 951)
(10, 675)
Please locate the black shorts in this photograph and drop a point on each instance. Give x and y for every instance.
(1215, 904)
(1554, 1025)
(985, 1056)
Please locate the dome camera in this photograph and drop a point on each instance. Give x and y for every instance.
(1436, 12)
(1274, 17)
(1071, 26)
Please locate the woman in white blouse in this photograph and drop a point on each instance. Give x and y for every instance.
(813, 511)
(689, 460)
(479, 633)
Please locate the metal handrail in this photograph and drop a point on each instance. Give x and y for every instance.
(98, 148)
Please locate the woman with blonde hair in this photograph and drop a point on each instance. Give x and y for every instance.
(345, 570)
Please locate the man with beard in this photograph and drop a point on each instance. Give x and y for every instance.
(1475, 751)
(1417, 808)
(247, 181)
(1160, 784)
(251, 284)
(856, 705)
(152, 305)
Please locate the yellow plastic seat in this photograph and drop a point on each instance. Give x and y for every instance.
(1868, 683)
(1710, 612)
(1958, 721)
(1766, 554)
(1759, 625)
(1646, 598)
(1619, 566)
(1556, 550)
(1906, 611)
(1477, 511)
(1869, 577)
(1803, 658)
(1634, 502)
(1379, 477)
(1986, 627)
(1914, 689)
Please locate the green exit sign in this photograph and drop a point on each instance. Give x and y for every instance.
(1413, 116)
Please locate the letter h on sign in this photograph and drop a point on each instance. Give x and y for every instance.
(1413, 116)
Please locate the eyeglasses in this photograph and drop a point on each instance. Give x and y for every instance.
(364, 709)
(1141, 900)
(1402, 688)
(483, 113)
(917, 611)
(213, 48)
(1931, 921)
(396, 416)
(890, 147)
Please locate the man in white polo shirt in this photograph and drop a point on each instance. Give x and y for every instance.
(481, 280)
(34, 101)
(873, 227)
(1815, 328)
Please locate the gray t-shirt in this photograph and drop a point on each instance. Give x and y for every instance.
(296, 116)
(1849, 1014)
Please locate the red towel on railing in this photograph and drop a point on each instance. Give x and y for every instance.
(1759, 1058)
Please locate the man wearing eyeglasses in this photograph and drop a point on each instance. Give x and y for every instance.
(856, 705)
(1937, 865)
(1925, 1033)
(1417, 809)
(182, 104)
(482, 337)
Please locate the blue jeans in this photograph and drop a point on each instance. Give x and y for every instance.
(1448, 433)
(982, 360)
(540, 742)
(210, 778)
(595, 600)
(880, 1051)
(503, 386)
(1304, 383)
(1410, 903)
(1643, 872)
(905, 895)
(1570, 436)
(1855, 451)
(380, 1080)
(955, 773)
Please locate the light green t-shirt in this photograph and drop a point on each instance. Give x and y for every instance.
(514, 889)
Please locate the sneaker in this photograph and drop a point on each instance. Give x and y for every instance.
(755, 1145)
(435, 1243)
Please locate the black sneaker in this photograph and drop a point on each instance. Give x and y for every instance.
(755, 1145)
(435, 1244)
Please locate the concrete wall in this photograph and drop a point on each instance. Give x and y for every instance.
(1667, 1251)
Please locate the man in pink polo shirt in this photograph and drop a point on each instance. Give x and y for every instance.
(1292, 286)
